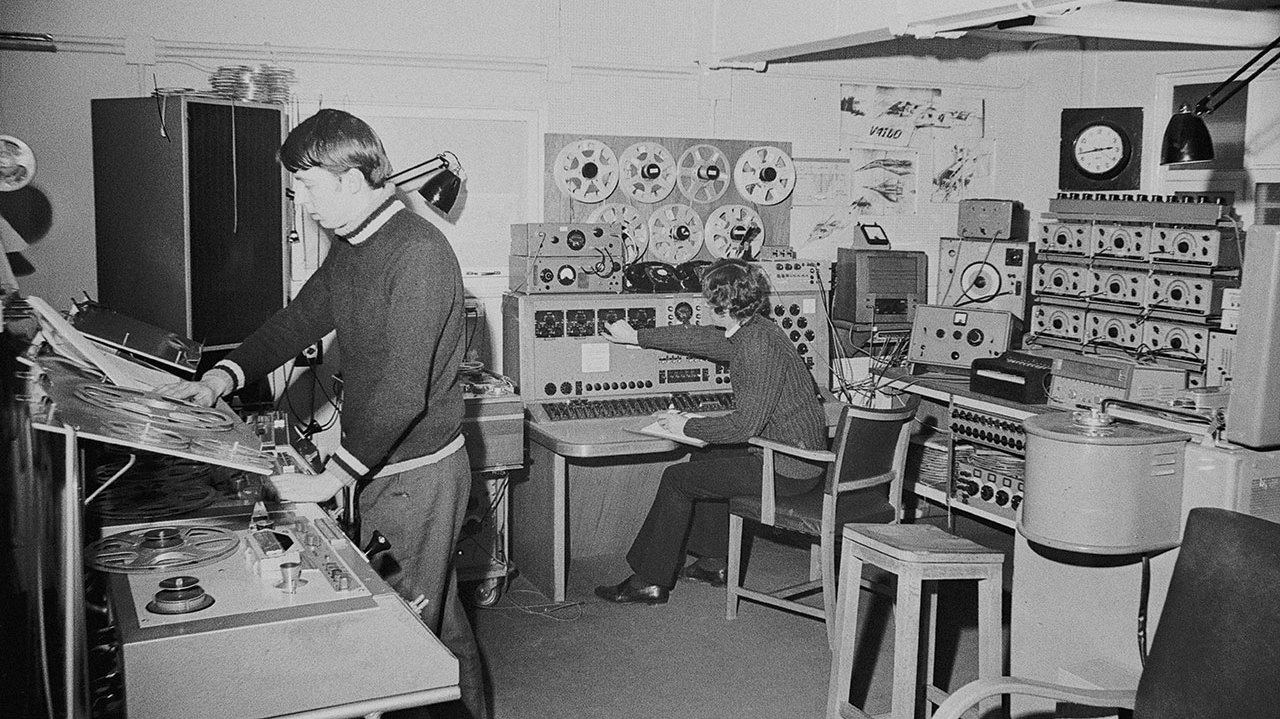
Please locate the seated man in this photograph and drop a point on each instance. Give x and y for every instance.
(775, 397)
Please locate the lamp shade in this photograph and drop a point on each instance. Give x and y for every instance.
(1186, 139)
(441, 189)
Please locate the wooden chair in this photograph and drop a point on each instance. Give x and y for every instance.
(863, 483)
(1216, 648)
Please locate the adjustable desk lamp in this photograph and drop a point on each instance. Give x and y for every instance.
(440, 189)
(1186, 139)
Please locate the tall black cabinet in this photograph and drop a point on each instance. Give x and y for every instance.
(190, 213)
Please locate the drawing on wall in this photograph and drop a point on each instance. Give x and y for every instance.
(962, 169)
(821, 181)
(884, 181)
(817, 231)
(881, 115)
(954, 117)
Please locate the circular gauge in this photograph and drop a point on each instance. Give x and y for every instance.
(675, 234)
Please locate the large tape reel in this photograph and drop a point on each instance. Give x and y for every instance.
(675, 234)
(734, 231)
(635, 232)
(648, 172)
(166, 412)
(154, 549)
(702, 173)
(17, 164)
(586, 170)
(979, 282)
(764, 175)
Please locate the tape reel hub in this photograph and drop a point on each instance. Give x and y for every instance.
(180, 595)
(161, 538)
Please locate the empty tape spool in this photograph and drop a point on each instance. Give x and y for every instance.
(702, 173)
(675, 234)
(635, 233)
(764, 175)
(734, 231)
(648, 172)
(979, 282)
(586, 170)
(153, 549)
(166, 412)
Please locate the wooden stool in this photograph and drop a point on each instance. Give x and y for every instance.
(916, 553)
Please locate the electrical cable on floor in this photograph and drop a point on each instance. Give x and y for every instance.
(547, 610)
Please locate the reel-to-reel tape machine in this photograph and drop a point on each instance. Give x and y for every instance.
(676, 199)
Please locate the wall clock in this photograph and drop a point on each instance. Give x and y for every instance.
(1100, 148)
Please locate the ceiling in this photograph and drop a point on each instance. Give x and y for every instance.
(843, 24)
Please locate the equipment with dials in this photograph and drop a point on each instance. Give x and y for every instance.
(1083, 381)
(876, 291)
(1133, 275)
(566, 257)
(553, 345)
(954, 336)
(189, 597)
(988, 274)
(991, 220)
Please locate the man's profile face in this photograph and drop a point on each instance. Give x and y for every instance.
(328, 198)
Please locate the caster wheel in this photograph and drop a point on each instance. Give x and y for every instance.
(487, 593)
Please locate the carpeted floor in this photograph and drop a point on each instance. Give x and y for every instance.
(589, 658)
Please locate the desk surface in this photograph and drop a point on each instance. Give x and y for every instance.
(947, 388)
(612, 437)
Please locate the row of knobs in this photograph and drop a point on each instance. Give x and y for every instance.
(988, 493)
(1112, 197)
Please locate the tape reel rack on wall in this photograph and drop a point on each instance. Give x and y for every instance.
(680, 203)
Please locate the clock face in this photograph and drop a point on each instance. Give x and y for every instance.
(1099, 150)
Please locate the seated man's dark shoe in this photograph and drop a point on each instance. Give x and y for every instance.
(633, 591)
(698, 573)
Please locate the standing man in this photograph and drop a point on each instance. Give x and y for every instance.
(392, 289)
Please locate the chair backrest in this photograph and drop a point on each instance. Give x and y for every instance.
(871, 447)
(1216, 651)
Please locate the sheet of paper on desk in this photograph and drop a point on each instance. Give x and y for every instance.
(655, 429)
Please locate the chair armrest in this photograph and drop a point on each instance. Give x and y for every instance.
(817, 455)
(975, 691)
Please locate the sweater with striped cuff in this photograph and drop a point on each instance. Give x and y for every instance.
(774, 393)
(392, 290)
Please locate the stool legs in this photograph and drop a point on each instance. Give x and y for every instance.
(990, 631)
(845, 633)
(906, 646)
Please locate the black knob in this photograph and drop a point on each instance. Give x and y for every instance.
(376, 545)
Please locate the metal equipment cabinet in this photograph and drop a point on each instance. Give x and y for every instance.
(190, 213)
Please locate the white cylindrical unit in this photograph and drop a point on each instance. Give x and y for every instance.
(1101, 486)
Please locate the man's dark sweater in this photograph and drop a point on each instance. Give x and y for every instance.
(774, 393)
(393, 291)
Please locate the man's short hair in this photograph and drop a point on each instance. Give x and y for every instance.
(737, 287)
(336, 141)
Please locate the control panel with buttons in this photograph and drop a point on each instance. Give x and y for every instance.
(556, 345)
